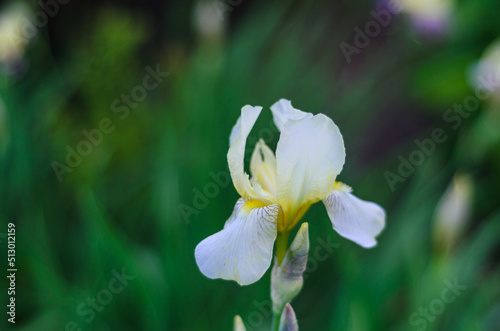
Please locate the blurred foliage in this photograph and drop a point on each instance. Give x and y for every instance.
(119, 208)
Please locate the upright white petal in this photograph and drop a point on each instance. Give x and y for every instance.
(310, 155)
(283, 111)
(237, 144)
(355, 219)
(236, 154)
(263, 167)
(243, 250)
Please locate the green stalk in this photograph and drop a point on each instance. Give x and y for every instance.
(275, 326)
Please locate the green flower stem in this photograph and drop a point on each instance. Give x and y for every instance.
(275, 326)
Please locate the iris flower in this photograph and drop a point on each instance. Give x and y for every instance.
(309, 156)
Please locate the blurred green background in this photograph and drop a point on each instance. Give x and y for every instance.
(122, 207)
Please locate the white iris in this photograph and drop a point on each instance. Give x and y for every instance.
(309, 156)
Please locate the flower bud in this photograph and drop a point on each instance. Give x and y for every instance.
(288, 320)
(286, 279)
(452, 211)
(238, 324)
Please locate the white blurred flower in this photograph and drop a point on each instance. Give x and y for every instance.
(12, 43)
(430, 16)
(487, 67)
(453, 211)
(309, 156)
(207, 21)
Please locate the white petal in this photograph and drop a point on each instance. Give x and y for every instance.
(355, 219)
(310, 155)
(283, 111)
(243, 250)
(237, 143)
(263, 167)
(236, 154)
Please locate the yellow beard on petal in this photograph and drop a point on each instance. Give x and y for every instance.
(250, 204)
(341, 186)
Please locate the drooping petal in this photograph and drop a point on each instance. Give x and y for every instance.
(243, 250)
(355, 219)
(236, 154)
(310, 155)
(283, 111)
(263, 167)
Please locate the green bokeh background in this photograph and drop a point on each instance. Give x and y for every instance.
(120, 207)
